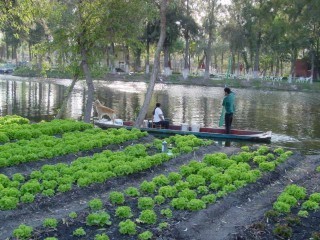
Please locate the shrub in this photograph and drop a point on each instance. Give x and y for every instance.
(50, 223)
(73, 215)
(210, 198)
(196, 204)
(159, 199)
(148, 216)
(8, 203)
(124, 212)
(315, 197)
(174, 177)
(145, 203)
(168, 191)
(148, 187)
(127, 227)
(161, 180)
(79, 232)
(102, 236)
(310, 205)
(283, 231)
(145, 235)
(23, 232)
(98, 218)
(179, 203)
(166, 212)
(116, 197)
(281, 207)
(96, 204)
(188, 194)
(132, 192)
(296, 191)
(27, 198)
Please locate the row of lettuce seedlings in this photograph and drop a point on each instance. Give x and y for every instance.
(84, 171)
(293, 205)
(14, 128)
(144, 211)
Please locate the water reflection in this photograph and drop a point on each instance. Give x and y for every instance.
(293, 117)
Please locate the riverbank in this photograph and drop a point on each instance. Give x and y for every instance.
(283, 85)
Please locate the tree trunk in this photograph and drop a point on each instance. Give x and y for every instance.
(156, 66)
(67, 96)
(147, 71)
(166, 59)
(87, 73)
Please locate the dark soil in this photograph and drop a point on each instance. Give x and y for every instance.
(232, 217)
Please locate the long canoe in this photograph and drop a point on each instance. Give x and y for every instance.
(202, 132)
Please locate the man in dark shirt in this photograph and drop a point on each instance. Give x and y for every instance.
(228, 104)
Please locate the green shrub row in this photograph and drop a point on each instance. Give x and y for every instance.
(46, 147)
(18, 131)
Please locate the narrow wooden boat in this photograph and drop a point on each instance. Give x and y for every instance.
(202, 132)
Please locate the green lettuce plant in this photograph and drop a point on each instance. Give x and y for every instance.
(95, 204)
(128, 227)
(23, 232)
(168, 191)
(196, 204)
(159, 199)
(116, 197)
(102, 236)
(167, 212)
(98, 218)
(79, 232)
(148, 216)
(310, 205)
(145, 235)
(145, 203)
(132, 192)
(124, 212)
(50, 223)
(179, 203)
(147, 187)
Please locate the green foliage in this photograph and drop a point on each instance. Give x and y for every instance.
(124, 212)
(145, 203)
(116, 197)
(8, 203)
(18, 177)
(148, 216)
(27, 198)
(174, 177)
(166, 212)
(272, 214)
(296, 191)
(278, 150)
(95, 204)
(98, 218)
(73, 215)
(310, 205)
(159, 199)
(48, 192)
(287, 198)
(283, 231)
(168, 191)
(79, 232)
(303, 213)
(23, 232)
(180, 185)
(163, 225)
(132, 192)
(263, 150)
(267, 166)
(315, 197)
(148, 187)
(145, 235)
(179, 203)
(196, 204)
(210, 198)
(195, 180)
(161, 180)
(51, 238)
(245, 148)
(281, 207)
(203, 189)
(188, 194)
(102, 236)
(128, 227)
(50, 223)
(318, 169)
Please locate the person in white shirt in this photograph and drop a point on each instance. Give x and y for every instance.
(158, 117)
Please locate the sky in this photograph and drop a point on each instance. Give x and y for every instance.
(226, 2)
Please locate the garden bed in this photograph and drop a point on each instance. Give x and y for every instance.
(245, 183)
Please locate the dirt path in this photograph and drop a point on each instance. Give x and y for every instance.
(221, 220)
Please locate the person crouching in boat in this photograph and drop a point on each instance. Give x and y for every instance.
(228, 104)
(158, 117)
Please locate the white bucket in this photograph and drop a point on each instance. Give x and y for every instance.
(195, 127)
(118, 122)
(184, 127)
(145, 124)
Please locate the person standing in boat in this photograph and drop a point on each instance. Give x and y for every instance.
(229, 105)
(158, 117)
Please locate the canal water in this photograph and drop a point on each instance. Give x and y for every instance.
(293, 117)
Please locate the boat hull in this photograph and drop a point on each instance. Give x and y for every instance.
(210, 133)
